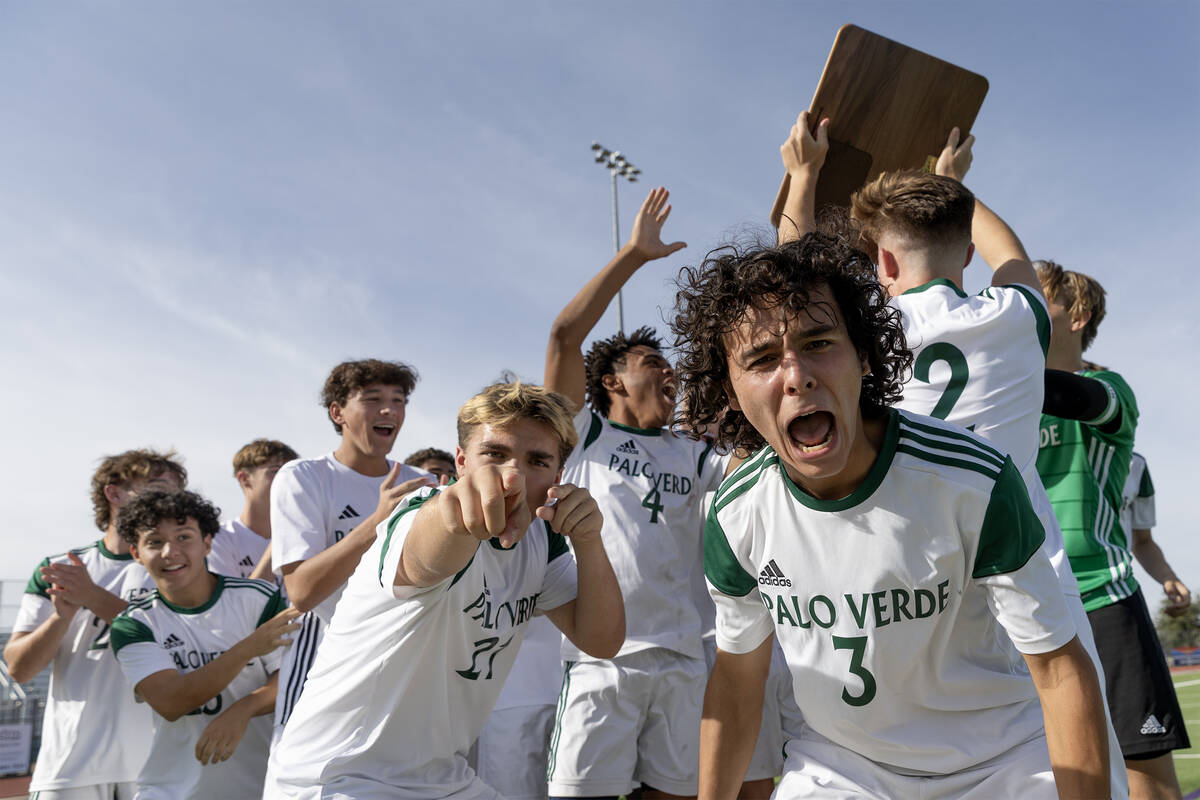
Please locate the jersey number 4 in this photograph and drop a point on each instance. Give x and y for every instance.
(959, 372)
(652, 502)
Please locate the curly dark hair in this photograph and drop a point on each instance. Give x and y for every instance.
(145, 511)
(354, 376)
(428, 454)
(607, 356)
(713, 299)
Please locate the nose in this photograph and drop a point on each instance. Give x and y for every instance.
(796, 375)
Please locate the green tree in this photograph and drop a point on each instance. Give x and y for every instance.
(1180, 631)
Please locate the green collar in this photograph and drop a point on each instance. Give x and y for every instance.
(200, 609)
(104, 551)
(936, 282)
(883, 462)
(638, 431)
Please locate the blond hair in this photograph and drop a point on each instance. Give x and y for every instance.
(503, 404)
(1079, 294)
(125, 468)
(262, 451)
(930, 209)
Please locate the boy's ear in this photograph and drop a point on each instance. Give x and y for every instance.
(243, 478)
(133, 551)
(208, 537)
(336, 414)
(1078, 323)
(970, 254)
(612, 383)
(112, 493)
(460, 460)
(889, 267)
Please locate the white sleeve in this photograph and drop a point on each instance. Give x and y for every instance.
(1030, 606)
(140, 660)
(390, 537)
(297, 520)
(1141, 513)
(561, 584)
(711, 469)
(34, 610)
(743, 623)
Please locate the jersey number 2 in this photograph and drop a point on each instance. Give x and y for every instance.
(943, 351)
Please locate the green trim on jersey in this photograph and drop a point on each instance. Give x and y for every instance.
(638, 431)
(976, 457)
(1011, 531)
(1084, 469)
(595, 428)
(703, 455)
(721, 566)
(558, 543)
(394, 520)
(742, 478)
(878, 471)
(1039, 312)
(1145, 485)
(104, 551)
(37, 584)
(937, 282)
(200, 609)
(125, 630)
(274, 605)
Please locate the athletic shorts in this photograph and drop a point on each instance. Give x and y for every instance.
(510, 754)
(817, 768)
(97, 791)
(1141, 698)
(629, 721)
(779, 715)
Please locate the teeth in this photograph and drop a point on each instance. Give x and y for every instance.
(812, 448)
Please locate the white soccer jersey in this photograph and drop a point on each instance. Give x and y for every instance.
(537, 672)
(1137, 498)
(93, 732)
(314, 503)
(898, 606)
(154, 635)
(649, 484)
(236, 550)
(406, 677)
(979, 362)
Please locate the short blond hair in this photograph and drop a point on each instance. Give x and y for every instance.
(125, 468)
(1079, 294)
(505, 403)
(262, 451)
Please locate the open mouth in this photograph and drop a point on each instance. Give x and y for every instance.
(669, 390)
(173, 568)
(812, 432)
(384, 428)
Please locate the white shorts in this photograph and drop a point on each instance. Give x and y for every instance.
(629, 721)
(818, 768)
(97, 791)
(510, 754)
(780, 714)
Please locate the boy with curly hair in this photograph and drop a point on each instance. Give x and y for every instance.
(897, 558)
(649, 482)
(93, 741)
(201, 650)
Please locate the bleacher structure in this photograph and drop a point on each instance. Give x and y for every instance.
(20, 703)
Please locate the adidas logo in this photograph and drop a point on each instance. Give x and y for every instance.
(172, 641)
(772, 575)
(348, 513)
(247, 562)
(1152, 726)
(629, 447)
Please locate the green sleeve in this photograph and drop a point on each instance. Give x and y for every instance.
(1146, 487)
(37, 584)
(412, 504)
(127, 630)
(1011, 532)
(1123, 403)
(275, 604)
(558, 544)
(721, 566)
(1040, 315)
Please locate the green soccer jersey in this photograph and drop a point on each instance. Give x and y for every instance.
(1084, 470)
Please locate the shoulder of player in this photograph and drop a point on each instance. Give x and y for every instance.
(249, 587)
(142, 606)
(932, 445)
(308, 470)
(745, 478)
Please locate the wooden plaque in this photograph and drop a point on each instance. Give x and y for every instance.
(889, 107)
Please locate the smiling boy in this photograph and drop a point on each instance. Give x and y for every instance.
(433, 617)
(324, 510)
(201, 650)
(896, 558)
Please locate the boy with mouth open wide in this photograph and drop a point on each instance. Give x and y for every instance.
(431, 621)
(907, 584)
(202, 650)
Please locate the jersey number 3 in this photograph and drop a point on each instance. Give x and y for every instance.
(943, 351)
(857, 645)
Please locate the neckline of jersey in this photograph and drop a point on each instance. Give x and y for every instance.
(936, 282)
(640, 431)
(878, 471)
(104, 551)
(205, 606)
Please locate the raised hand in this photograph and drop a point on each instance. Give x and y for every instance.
(71, 587)
(646, 238)
(573, 512)
(488, 503)
(273, 634)
(803, 151)
(390, 494)
(1179, 598)
(955, 158)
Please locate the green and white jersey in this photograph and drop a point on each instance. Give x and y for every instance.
(154, 635)
(903, 608)
(236, 550)
(979, 362)
(406, 677)
(1084, 470)
(93, 732)
(649, 484)
(1137, 499)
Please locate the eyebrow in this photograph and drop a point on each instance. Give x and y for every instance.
(805, 333)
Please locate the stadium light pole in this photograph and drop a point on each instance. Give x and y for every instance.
(618, 166)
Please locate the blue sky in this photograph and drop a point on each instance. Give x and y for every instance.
(203, 207)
